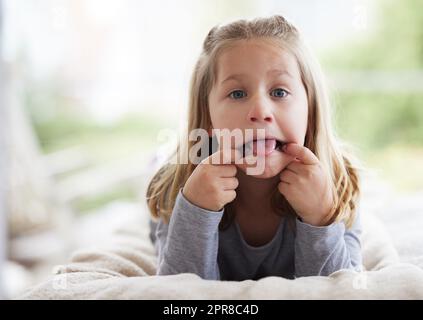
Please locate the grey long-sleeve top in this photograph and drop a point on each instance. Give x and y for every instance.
(192, 243)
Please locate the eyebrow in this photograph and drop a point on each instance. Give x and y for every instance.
(277, 72)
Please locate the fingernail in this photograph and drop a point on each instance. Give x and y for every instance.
(250, 159)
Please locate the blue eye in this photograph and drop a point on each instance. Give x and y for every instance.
(237, 94)
(279, 93)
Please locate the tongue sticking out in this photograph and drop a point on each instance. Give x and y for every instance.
(261, 147)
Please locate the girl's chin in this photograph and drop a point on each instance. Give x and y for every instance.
(266, 170)
(265, 175)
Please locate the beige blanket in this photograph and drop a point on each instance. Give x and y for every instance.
(125, 269)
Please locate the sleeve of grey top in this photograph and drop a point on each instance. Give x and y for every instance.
(190, 242)
(320, 251)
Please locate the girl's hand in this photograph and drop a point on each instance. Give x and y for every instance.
(212, 184)
(306, 186)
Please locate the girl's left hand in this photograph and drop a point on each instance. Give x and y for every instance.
(306, 186)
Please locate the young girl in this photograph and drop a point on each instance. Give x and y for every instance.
(298, 217)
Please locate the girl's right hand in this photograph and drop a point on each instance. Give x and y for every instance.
(212, 184)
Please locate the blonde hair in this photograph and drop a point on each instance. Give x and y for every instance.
(320, 139)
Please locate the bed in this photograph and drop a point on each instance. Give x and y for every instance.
(125, 267)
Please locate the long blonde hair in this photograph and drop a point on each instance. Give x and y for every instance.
(320, 139)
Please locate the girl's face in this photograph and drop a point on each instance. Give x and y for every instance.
(258, 86)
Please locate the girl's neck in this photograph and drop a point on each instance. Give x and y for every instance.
(254, 194)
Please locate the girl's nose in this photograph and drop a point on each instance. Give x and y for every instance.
(260, 112)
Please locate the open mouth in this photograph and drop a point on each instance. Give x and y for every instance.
(261, 147)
